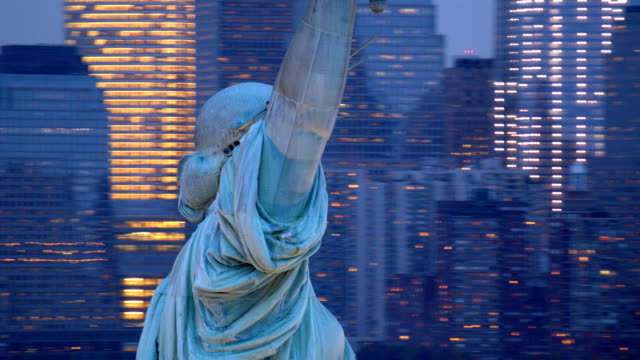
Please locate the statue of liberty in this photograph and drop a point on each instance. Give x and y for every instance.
(240, 287)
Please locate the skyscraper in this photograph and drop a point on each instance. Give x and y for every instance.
(379, 229)
(615, 178)
(143, 54)
(468, 110)
(550, 85)
(489, 302)
(392, 103)
(57, 275)
(241, 41)
(590, 288)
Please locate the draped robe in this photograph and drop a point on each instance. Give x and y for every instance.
(240, 288)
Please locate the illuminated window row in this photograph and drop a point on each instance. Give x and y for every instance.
(136, 16)
(180, 128)
(149, 93)
(139, 187)
(129, 196)
(150, 145)
(164, 50)
(146, 85)
(132, 170)
(140, 33)
(134, 76)
(138, 59)
(150, 111)
(143, 162)
(139, 102)
(151, 119)
(150, 236)
(139, 42)
(143, 179)
(142, 68)
(131, 25)
(155, 7)
(149, 153)
(138, 136)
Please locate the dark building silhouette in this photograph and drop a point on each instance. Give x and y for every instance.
(615, 177)
(58, 285)
(241, 41)
(393, 101)
(408, 299)
(489, 303)
(588, 290)
(468, 96)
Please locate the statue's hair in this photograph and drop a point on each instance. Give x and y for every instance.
(221, 115)
(226, 111)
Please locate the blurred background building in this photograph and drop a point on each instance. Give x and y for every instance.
(241, 41)
(614, 179)
(468, 88)
(550, 85)
(143, 55)
(58, 284)
(392, 107)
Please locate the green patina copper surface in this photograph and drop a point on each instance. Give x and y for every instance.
(240, 287)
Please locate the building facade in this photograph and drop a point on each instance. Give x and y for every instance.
(550, 85)
(392, 107)
(143, 55)
(241, 41)
(490, 301)
(590, 291)
(468, 100)
(615, 178)
(58, 283)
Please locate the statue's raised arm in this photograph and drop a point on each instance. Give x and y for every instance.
(304, 105)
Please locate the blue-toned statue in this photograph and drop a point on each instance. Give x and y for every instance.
(240, 288)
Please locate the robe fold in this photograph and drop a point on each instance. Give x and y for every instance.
(240, 288)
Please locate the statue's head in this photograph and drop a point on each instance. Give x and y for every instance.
(220, 125)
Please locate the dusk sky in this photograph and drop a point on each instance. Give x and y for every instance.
(467, 24)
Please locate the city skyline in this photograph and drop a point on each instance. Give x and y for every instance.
(453, 18)
(450, 250)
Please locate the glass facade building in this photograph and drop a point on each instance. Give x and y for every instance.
(615, 178)
(380, 227)
(242, 41)
(143, 54)
(487, 304)
(58, 285)
(392, 108)
(468, 113)
(550, 85)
